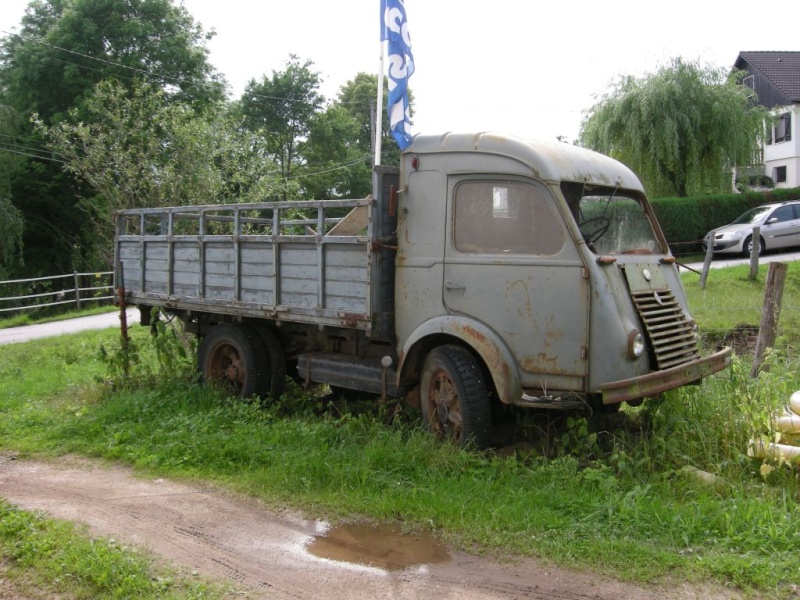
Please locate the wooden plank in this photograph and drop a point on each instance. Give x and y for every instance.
(129, 251)
(219, 292)
(353, 223)
(305, 286)
(185, 278)
(295, 299)
(187, 252)
(219, 280)
(299, 272)
(159, 266)
(345, 274)
(257, 283)
(298, 254)
(157, 250)
(345, 256)
(262, 297)
(216, 267)
(188, 291)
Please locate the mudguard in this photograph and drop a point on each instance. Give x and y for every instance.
(483, 341)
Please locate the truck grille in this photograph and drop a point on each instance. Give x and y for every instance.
(671, 335)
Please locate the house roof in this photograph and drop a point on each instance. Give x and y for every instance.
(782, 69)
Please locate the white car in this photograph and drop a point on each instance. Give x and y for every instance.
(779, 223)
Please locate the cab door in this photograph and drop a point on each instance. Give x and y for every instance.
(511, 264)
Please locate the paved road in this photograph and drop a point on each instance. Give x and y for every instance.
(719, 263)
(13, 335)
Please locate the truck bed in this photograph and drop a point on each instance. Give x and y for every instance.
(295, 261)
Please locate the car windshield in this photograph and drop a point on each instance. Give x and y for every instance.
(754, 215)
(611, 221)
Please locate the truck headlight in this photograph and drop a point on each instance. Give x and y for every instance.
(635, 344)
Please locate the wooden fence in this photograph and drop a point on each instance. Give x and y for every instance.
(77, 289)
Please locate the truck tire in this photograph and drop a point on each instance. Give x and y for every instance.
(454, 398)
(276, 376)
(234, 356)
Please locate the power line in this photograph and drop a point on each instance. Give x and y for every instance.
(10, 151)
(332, 169)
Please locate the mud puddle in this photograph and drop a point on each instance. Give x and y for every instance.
(381, 546)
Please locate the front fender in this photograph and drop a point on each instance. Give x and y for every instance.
(483, 341)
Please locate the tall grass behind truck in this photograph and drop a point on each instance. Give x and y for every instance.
(485, 269)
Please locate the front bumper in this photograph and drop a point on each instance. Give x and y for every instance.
(662, 381)
(725, 245)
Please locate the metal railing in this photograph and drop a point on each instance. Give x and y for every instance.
(73, 288)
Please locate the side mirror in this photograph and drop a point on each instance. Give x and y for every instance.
(771, 221)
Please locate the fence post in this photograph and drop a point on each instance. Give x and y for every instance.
(77, 289)
(707, 263)
(756, 240)
(767, 331)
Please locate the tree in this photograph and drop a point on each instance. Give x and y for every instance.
(679, 129)
(142, 151)
(10, 218)
(335, 164)
(358, 97)
(281, 109)
(339, 152)
(64, 49)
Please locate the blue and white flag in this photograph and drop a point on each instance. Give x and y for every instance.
(394, 30)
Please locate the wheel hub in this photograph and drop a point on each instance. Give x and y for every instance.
(446, 407)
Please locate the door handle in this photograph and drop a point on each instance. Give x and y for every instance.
(453, 286)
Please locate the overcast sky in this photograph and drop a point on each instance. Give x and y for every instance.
(529, 68)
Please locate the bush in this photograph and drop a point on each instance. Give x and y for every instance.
(686, 220)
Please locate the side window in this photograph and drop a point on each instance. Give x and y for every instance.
(505, 217)
(784, 213)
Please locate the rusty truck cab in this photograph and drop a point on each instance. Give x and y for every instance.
(546, 261)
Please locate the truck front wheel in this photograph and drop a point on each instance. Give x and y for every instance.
(234, 357)
(454, 398)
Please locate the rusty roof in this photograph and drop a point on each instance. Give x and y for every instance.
(549, 161)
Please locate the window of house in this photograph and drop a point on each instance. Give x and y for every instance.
(782, 131)
(779, 174)
(505, 217)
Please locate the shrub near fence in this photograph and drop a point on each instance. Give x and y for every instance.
(686, 220)
(74, 290)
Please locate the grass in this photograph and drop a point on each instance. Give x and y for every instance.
(58, 556)
(619, 497)
(731, 299)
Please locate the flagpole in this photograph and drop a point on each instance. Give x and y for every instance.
(379, 111)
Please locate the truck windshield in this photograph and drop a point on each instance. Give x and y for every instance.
(611, 221)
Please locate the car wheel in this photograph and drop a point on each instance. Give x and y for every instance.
(748, 246)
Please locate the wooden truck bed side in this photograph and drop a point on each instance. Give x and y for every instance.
(294, 261)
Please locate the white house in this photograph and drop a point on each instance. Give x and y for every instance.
(775, 78)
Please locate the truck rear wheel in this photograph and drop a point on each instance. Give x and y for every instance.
(235, 357)
(454, 398)
(276, 371)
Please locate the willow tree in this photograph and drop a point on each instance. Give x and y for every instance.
(681, 129)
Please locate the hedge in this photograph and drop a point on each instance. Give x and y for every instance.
(686, 220)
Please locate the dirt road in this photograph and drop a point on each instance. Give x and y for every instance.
(264, 554)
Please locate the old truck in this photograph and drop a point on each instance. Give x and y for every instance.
(484, 269)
